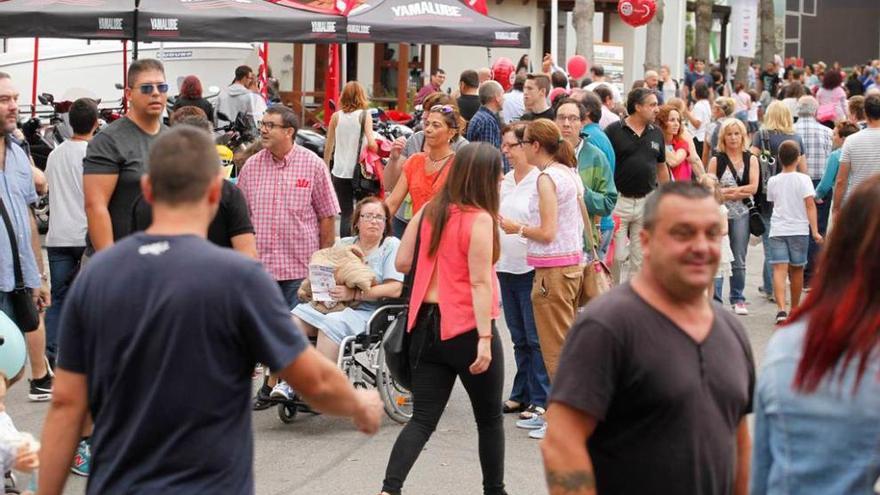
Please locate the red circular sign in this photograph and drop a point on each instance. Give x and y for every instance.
(637, 12)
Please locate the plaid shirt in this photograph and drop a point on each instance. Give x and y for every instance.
(817, 144)
(287, 199)
(484, 127)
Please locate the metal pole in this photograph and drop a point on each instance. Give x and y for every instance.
(34, 81)
(554, 27)
(134, 53)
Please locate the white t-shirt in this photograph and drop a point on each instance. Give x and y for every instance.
(702, 111)
(787, 191)
(67, 219)
(514, 106)
(515, 207)
(753, 111)
(862, 152)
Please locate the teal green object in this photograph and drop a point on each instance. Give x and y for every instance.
(12, 347)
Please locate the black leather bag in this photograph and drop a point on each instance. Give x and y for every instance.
(27, 316)
(397, 341)
(363, 184)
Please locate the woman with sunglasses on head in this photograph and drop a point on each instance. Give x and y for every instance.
(452, 312)
(555, 235)
(425, 173)
(530, 384)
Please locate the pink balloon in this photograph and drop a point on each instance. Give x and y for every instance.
(577, 66)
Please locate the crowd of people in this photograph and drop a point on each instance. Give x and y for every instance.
(505, 200)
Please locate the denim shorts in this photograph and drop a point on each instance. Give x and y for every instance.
(791, 249)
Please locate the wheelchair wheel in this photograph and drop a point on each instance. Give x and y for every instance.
(396, 399)
(287, 413)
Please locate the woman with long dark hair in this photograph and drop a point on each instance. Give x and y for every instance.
(817, 401)
(452, 311)
(831, 96)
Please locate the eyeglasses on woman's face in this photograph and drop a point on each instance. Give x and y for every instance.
(372, 217)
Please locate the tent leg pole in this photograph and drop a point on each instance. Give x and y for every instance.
(34, 80)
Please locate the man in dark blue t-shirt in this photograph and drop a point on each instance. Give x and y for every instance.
(159, 312)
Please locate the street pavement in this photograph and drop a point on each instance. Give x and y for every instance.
(324, 455)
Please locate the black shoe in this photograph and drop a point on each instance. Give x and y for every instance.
(41, 389)
(262, 401)
(781, 317)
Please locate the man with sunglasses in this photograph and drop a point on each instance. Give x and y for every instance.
(116, 158)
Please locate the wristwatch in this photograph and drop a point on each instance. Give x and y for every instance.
(44, 277)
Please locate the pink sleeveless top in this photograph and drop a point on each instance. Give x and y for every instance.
(453, 276)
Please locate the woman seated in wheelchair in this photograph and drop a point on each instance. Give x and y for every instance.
(371, 226)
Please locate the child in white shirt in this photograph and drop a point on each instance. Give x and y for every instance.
(793, 220)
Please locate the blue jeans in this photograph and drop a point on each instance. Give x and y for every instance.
(289, 288)
(822, 212)
(531, 384)
(738, 230)
(64, 264)
(765, 241)
(605, 242)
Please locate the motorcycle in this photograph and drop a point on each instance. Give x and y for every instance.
(390, 125)
(44, 136)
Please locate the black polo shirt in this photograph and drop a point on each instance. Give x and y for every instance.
(635, 173)
(546, 114)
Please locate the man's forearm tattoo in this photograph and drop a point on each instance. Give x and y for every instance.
(572, 481)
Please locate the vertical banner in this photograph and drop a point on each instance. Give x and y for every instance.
(744, 27)
(331, 82)
(263, 72)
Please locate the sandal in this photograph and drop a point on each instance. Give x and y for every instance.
(531, 412)
(512, 406)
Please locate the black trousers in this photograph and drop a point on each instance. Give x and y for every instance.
(436, 364)
(345, 195)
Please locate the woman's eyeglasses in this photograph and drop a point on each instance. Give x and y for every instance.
(370, 217)
(147, 89)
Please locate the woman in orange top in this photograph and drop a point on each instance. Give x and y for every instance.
(452, 312)
(425, 173)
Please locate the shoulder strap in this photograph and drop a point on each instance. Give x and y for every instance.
(722, 160)
(410, 277)
(747, 164)
(765, 141)
(363, 119)
(16, 262)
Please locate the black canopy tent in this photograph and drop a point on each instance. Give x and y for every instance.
(235, 21)
(441, 22)
(91, 19)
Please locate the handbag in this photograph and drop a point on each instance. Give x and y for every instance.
(396, 342)
(27, 316)
(766, 165)
(826, 113)
(363, 183)
(597, 277)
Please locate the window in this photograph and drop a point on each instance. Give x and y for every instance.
(792, 27)
(809, 7)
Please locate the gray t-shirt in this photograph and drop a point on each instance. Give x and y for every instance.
(120, 149)
(64, 171)
(667, 408)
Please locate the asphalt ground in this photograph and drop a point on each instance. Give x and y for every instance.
(325, 455)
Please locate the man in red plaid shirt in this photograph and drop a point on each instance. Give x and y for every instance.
(291, 201)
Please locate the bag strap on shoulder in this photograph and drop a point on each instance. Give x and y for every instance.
(16, 261)
(363, 119)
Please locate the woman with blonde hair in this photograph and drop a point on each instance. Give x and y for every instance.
(555, 236)
(777, 128)
(738, 172)
(351, 129)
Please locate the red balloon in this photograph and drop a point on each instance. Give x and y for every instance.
(503, 71)
(637, 12)
(577, 66)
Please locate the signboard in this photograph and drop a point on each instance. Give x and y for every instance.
(610, 57)
(744, 28)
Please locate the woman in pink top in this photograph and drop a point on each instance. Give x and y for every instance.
(452, 311)
(831, 96)
(555, 235)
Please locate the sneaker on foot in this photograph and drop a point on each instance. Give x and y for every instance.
(539, 433)
(82, 460)
(781, 317)
(531, 412)
(740, 309)
(536, 422)
(262, 400)
(41, 389)
(281, 391)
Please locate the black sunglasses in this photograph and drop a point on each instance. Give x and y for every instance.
(147, 89)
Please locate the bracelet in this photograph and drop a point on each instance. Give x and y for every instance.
(522, 231)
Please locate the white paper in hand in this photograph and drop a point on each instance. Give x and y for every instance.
(322, 279)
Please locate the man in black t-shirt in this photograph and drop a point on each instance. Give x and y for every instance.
(116, 157)
(232, 226)
(535, 92)
(468, 100)
(640, 163)
(655, 382)
(159, 345)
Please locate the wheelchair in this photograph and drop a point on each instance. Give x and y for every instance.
(362, 359)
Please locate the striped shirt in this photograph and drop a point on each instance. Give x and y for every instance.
(862, 152)
(817, 144)
(287, 198)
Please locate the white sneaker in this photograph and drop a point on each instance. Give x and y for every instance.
(536, 422)
(740, 309)
(539, 433)
(281, 391)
